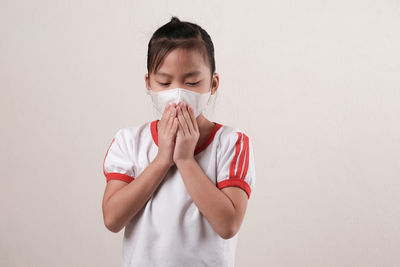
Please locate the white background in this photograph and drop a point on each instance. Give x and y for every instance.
(314, 84)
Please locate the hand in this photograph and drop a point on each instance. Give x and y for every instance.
(167, 127)
(188, 133)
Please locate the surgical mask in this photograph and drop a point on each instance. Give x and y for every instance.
(198, 101)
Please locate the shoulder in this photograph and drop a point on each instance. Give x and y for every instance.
(229, 135)
(131, 132)
(133, 136)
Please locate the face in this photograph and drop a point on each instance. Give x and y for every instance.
(184, 69)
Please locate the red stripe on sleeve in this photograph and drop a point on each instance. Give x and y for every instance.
(241, 159)
(233, 163)
(246, 141)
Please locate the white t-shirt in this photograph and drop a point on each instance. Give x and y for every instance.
(170, 230)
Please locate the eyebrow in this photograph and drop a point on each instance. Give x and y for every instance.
(192, 73)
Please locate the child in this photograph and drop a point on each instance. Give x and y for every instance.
(180, 184)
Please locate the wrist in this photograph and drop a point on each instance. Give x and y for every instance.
(185, 161)
(162, 162)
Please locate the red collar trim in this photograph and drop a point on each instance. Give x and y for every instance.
(198, 149)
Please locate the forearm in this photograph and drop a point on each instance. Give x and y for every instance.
(214, 204)
(124, 204)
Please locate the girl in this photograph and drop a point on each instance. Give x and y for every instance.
(179, 184)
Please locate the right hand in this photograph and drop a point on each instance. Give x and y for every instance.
(167, 128)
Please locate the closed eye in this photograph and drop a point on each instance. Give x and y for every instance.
(194, 83)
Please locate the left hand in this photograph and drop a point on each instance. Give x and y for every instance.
(187, 135)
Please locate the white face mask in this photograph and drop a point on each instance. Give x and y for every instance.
(198, 101)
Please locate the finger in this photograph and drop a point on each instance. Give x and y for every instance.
(166, 110)
(182, 121)
(193, 118)
(165, 114)
(172, 121)
(188, 119)
(173, 104)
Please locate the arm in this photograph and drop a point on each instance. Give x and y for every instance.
(122, 201)
(224, 208)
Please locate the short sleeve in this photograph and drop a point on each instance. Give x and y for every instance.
(235, 164)
(117, 162)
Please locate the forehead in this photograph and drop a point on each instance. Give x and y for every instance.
(182, 61)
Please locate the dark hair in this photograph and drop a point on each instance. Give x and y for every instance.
(179, 34)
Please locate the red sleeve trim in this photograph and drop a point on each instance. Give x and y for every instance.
(115, 175)
(235, 182)
(119, 176)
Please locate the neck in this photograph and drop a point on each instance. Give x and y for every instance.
(203, 123)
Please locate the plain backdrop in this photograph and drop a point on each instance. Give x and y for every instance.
(314, 84)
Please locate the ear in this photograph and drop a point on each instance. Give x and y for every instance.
(215, 83)
(147, 81)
